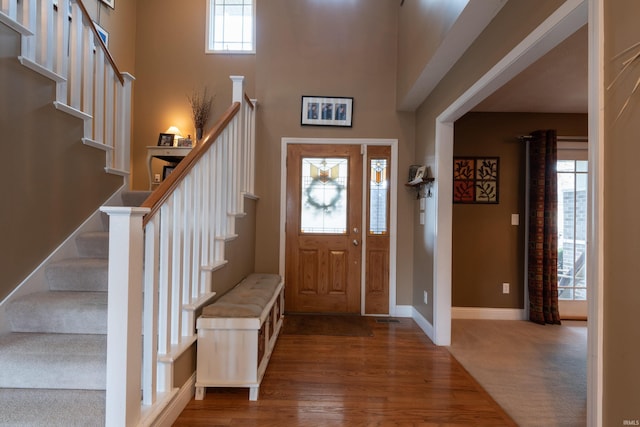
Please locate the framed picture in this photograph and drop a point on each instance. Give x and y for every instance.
(110, 3)
(322, 111)
(185, 142)
(475, 180)
(166, 171)
(103, 34)
(166, 140)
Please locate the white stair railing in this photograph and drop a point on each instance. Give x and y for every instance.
(187, 221)
(60, 41)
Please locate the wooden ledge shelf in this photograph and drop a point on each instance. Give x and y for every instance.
(423, 182)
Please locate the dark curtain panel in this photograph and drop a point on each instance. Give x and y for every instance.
(543, 228)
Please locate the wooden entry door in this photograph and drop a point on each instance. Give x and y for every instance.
(323, 228)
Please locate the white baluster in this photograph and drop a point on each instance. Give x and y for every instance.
(150, 312)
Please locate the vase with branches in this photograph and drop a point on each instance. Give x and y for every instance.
(200, 110)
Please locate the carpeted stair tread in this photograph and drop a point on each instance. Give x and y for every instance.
(65, 312)
(93, 244)
(53, 361)
(134, 198)
(53, 408)
(78, 274)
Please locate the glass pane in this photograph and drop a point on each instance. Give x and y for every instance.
(572, 229)
(566, 165)
(565, 294)
(378, 197)
(324, 195)
(582, 166)
(233, 25)
(580, 294)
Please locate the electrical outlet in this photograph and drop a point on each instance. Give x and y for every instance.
(426, 297)
(156, 177)
(505, 288)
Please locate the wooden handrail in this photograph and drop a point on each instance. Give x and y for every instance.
(249, 101)
(100, 42)
(167, 186)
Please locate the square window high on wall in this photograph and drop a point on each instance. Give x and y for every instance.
(231, 26)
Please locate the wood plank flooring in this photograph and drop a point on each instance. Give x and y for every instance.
(396, 377)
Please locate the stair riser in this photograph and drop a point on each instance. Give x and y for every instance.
(60, 312)
(93, 245)
(53, 361)
(78, 275)
(74, 373)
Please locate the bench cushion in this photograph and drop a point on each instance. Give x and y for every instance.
(247, 299)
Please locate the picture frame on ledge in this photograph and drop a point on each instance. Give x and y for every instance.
(166, 140)
(326, 111)
(166, 171)
(110, 3)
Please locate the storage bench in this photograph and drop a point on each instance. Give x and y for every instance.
(237, 333)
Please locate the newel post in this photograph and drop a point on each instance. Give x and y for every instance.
(124, 320)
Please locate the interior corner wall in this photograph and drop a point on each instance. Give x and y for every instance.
(171, 64)
(422, 26)
(621, 228)
(487, 249)
(514, 22)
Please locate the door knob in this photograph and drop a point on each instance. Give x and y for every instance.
(355, 242)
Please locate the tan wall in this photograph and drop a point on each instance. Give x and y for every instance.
(487, 249)
(514, 21)
(327, 49)
(621, 230)
(171, 64)
(51, 181)
(424, 25)
(120, 23)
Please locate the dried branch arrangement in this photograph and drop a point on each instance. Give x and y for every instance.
(626, 64)
(200, 107)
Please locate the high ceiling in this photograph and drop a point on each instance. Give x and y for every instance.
(556, 83)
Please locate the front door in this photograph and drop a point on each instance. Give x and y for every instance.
(323, 228)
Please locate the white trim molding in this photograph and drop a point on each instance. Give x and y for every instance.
(487, 313)
(424, 324)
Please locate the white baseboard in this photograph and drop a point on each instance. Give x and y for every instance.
(403, 311)
(424, 324)
(172, 411)
(483, 313)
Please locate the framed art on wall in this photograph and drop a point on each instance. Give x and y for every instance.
(104, 35)
(475, 179)
(322, 111)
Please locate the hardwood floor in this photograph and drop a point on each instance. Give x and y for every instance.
(396, 377)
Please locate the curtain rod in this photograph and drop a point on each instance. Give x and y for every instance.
(524, 138)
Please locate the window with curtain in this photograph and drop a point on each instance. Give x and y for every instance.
(230, 26)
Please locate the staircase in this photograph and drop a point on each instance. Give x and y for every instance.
(53, 363)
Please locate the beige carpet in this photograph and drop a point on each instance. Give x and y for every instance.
(538, 374)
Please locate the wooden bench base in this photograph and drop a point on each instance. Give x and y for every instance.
(235, 351)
